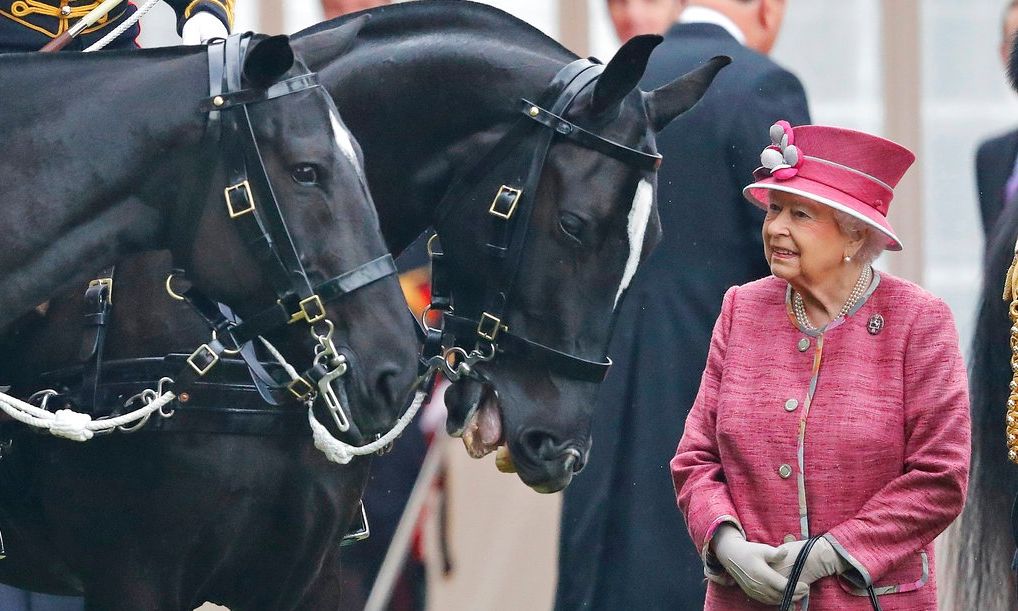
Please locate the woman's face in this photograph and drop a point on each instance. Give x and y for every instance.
(802, 240)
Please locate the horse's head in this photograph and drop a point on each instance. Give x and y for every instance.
(543, 254)
(310, 273)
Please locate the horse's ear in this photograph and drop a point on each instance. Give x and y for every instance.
(268, 60)
(667, 102)
(321, 48)
(623, 72)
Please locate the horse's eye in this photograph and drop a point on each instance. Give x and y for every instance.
(572, 225)
(305, 174)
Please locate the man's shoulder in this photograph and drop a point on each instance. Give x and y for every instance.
(995, 144)
(687, 45)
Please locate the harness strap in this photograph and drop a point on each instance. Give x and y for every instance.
(534, 353)
(98, 309)
(279, 315)
(648, 162)
(225, 101)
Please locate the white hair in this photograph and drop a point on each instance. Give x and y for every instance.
(874, 242)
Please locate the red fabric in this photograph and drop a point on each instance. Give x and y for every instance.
(885, 446)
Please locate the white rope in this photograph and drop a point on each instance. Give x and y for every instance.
(290, 370)
(338, 451)
(120, 29)
(73, 425)
(342, 453)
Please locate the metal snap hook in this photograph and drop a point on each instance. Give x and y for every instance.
(430, 247)
(169, 289)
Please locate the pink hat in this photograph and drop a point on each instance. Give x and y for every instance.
(847, 170)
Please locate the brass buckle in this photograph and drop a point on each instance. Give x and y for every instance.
(489, 326)
(505, 190)
(305, 387)
(311, 315)
(228, 191)
(206, 350)
(108, 283)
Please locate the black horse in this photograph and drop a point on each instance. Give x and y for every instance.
(431, 89)
(981, 544)
(116, 181)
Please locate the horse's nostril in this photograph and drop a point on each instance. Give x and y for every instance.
(543, 446)
(539, 445)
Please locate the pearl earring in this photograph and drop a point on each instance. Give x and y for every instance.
(848, 259)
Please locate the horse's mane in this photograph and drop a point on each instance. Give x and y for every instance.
(405, 19)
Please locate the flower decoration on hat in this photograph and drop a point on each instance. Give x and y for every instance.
(782, 158)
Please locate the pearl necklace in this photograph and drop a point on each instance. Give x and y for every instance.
(853, 298)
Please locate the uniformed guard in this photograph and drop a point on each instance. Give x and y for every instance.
(27, 25)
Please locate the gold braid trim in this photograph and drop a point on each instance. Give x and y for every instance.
(1011, 295)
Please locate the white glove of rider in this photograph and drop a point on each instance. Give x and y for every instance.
(823, 561)
(202, 27)
(750, 565)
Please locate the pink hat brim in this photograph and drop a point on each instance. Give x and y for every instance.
(829, 196)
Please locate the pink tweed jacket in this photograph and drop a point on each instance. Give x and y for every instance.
(859, 432)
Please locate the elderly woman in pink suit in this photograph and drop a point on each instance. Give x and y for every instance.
(833, 404)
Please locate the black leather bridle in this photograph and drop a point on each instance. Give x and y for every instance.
(252, 206)
(522, 153)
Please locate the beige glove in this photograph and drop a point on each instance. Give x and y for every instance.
(823, 561)
(201, 27)
(750, 565)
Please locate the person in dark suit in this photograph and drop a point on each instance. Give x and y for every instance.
(623, 543)
(997, 158)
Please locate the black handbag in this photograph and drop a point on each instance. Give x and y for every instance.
(800, 561)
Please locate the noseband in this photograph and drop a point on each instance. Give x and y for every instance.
(509, 217)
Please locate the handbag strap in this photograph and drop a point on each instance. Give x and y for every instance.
(793, 578)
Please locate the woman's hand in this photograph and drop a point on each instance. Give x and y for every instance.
(750, 564)
(823, 561)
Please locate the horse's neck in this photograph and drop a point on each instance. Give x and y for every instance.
(83, 140)
(84, 131)
(438, 96)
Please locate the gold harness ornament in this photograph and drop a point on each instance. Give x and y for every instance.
(1011, 295)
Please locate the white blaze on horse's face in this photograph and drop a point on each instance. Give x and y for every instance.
(345, 142)
(639, 216)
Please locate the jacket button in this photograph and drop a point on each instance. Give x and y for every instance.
(803, 344)
(790, 539)
(791, 404)
(784, 471)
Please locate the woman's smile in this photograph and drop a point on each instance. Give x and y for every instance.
(783, 253)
